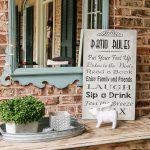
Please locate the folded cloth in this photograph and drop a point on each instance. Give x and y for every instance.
(51, 62)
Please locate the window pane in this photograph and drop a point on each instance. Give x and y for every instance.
(99, 5)
(89, 6)
(95, 16)
(89, 21)
(49, 30)
(94, 21)
(94, 3)
(99, 21)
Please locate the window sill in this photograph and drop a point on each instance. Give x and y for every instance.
(60, 77)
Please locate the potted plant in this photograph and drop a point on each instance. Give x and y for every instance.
(21, 114)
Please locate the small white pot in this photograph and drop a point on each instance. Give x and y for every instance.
(60, 120)
(22, 128)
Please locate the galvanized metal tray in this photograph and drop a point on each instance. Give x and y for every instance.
(41, 136)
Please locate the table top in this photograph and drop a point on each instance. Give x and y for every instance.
(126, 131)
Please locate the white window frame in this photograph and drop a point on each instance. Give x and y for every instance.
(41, 34)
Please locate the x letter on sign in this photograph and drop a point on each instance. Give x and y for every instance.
(122, 111)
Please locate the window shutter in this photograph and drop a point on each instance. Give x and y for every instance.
(68, 29)
(17, 35)
(29, 34)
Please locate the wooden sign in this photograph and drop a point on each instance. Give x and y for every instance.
(109, 71)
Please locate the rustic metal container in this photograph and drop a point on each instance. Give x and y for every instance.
(41, 136)
(59, 120)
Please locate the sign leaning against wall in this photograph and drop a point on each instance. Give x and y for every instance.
(109, 71)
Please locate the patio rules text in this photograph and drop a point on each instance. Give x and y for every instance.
(109, 71)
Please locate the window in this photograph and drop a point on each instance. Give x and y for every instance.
(35, 21)
(34, 30)
(31, 67)
(96, 14)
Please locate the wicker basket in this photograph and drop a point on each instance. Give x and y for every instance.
(60, 120)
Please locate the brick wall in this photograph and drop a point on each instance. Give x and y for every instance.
(57, 27)
(3, 31)
(79, 26)
(130, 14)
(135, 14)
(68, 99)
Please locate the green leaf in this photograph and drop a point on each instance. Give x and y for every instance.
(21, 110)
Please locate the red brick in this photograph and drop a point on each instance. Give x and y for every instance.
(4, 16)
(139, 59)
(59, 91)
(143, 51)
(7, 92)
(142, 112)
(142, 86)
(147, 3)
(3, 5)
(143, 31)
(146, 59)
(2, 49)
(131, 22)
(111, 22)
(72, 109)
(72, 89)
(111, 2)
(78, 99)
(49, 100)
(146, 12)
(79, 108)
(137, 3)
(50, 90)
(146, 77)
(139, 40)
(137, 12)
(138, 77)
(138, 96)
(66, 99)
(3, 39)
(57, 26)
(2, 62)
(1, 70)
(144, 68)
(144, 103)
(124, 2)
(2, 57)
(49, 109)
(143, 40)
(79, 90)
(145, 95)
(62, 107)
(33, 90)
(22, 91)
(15, 84)
(111, 11)
(3, 27)
(147, 22)
(123, 11)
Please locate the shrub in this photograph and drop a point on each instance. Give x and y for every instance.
(21, 110)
